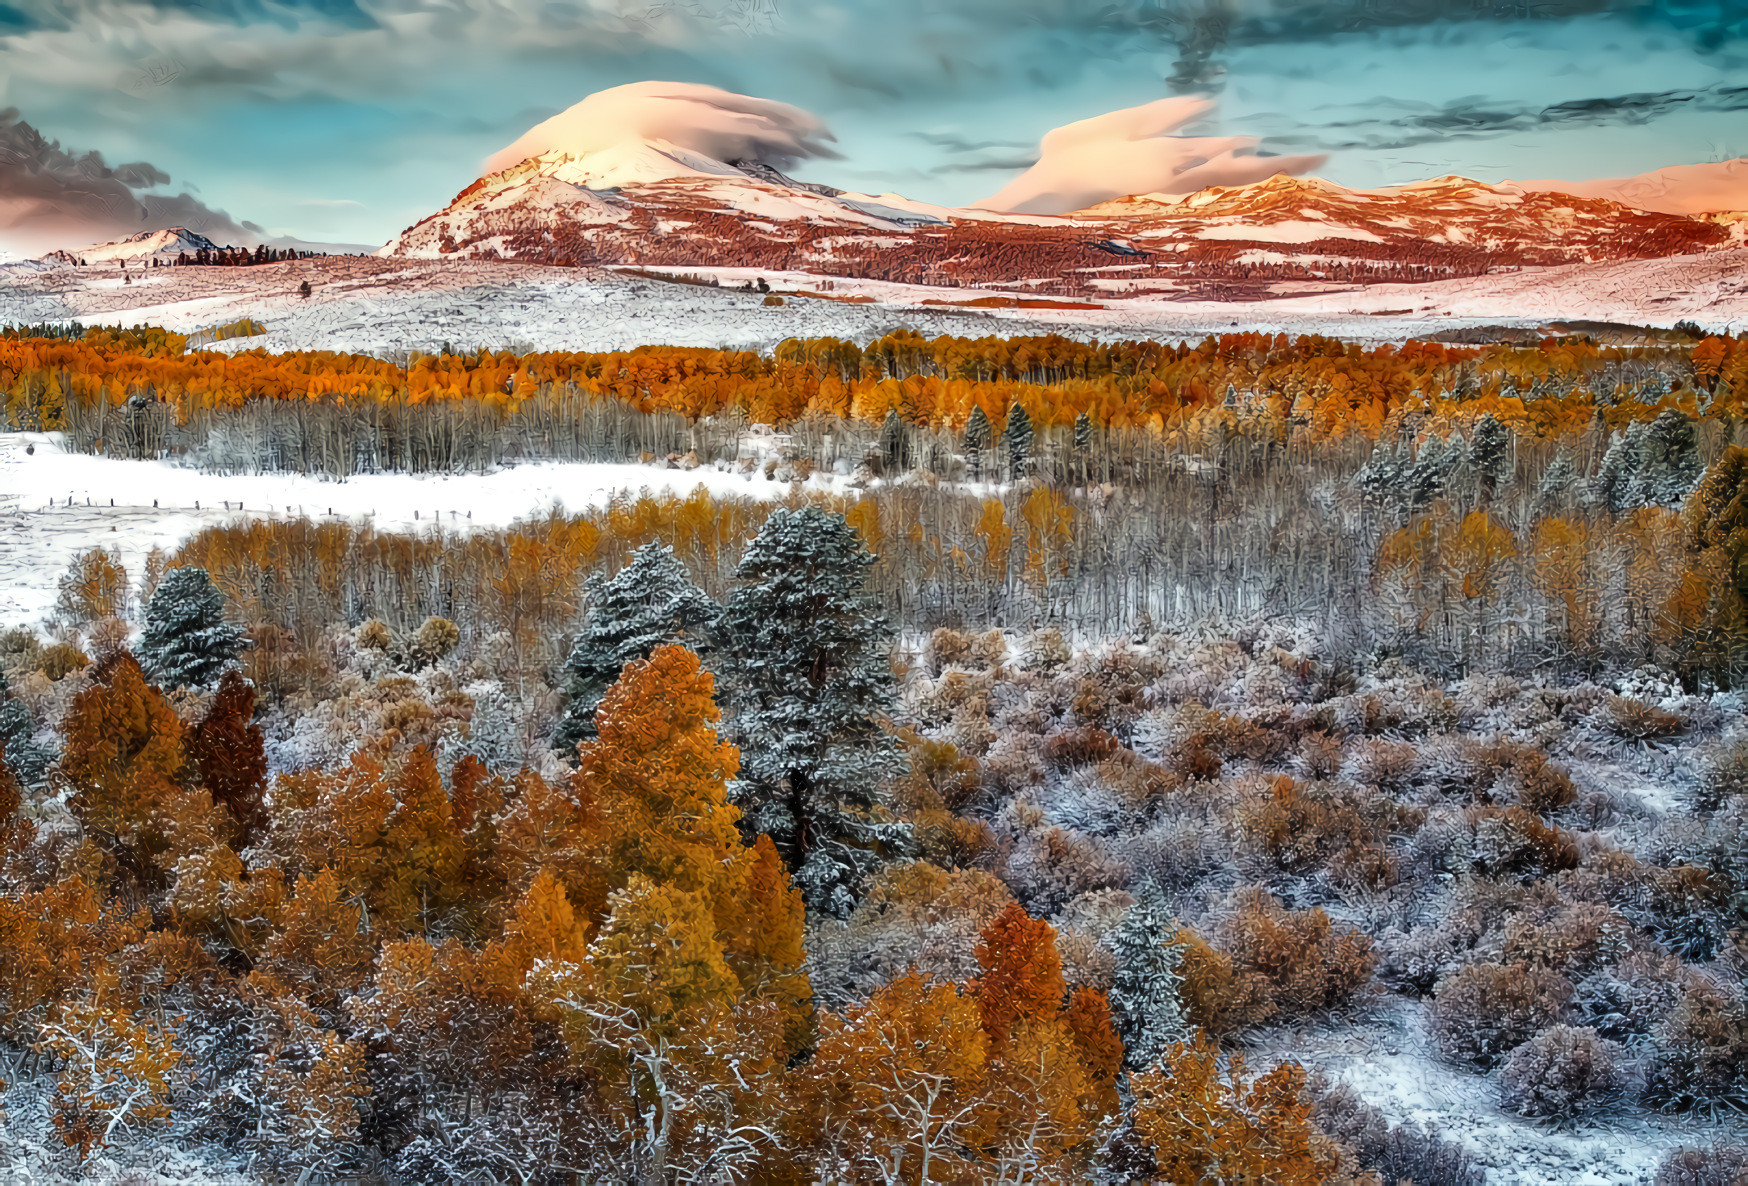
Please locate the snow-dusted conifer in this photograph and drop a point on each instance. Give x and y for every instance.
(1560, 475)
(1017, 439)
(1489, 450)
(29, 760)
(894, 445)
(807, 675)
(1146, 1004)
(976, 441)
(186, 638)
(1614, 477)
(1670, 463)
(649, 603)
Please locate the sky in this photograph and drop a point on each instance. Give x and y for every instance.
(348, 120)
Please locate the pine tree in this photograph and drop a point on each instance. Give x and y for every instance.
(1670, 464)
(807, 674)
(648, 603)
(1083, 443)
(186, 639)
(1488, 452)
(1558, 478)
(1614, 484)
(28, 760)
(1145, 1001)
(976, 441)
(1017, 437)
(894, 445)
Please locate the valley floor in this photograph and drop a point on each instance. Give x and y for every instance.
(361, 303)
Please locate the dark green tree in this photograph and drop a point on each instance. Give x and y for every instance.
(649, 603)
(186, 640)
(806, 672)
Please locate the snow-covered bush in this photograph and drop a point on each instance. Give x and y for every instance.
(1716, 1165)
(1485, 1010)
(1563, 1074)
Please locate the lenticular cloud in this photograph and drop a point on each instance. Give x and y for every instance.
(705, 119)
(1132, 151)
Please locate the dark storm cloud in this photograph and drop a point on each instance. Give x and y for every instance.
(58, 199)
(1471, 118)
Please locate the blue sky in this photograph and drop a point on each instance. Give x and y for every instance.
(350, 119)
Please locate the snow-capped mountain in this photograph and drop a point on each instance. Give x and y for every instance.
(1717, 187)
(655, 203)
(163, 245)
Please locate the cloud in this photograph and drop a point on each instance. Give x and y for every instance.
(705, 119)
(1132, 151)
(50, 198)
(1471, 118)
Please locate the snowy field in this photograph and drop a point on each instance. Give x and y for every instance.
(378, 305)
(134, 506)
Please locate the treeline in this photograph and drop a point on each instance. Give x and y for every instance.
(1533, 575)
(1316, 384)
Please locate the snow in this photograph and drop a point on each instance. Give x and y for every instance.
(166, 243)
(382, 305)
(1291, 231)
(40, 534)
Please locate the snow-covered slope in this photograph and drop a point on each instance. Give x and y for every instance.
(147, 245)
(616, 202)
(656, 203)
(1677, 189)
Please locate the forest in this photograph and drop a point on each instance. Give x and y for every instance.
(1045, 797)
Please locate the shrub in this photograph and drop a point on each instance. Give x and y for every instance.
(1637, 721)
(947, 648)
(1486, 1010)
(373, 635)
(1720, 1165)
(434, 639)
(773, 300)
(1367, 1141)
(1217, 996)
(1628, 1001)
(1514, 840)
(1301, 830)
(61, 660)
(1084, 745)
(1307, 962)
(1700, 1052)
(1563, 1074)
(1385, 765)
(1725, 776)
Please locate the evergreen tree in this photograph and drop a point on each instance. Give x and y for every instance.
(894, 445)
(1017, 436)
(28, 760)
(186, 638)
(1083, 442)
(1669, 466)
(808, 676)
(1380, 478)
(1558, 478)
(649, 603)
(1489, 450)
(1612, 486)
(976, 441)
(1146, 1004)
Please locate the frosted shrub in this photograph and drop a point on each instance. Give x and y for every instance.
(1563, 1074)
(1486, 1010)
(1719, 1165)
(1176, 854)
(1401, 1153)
(1628, 1001)
(1700, 1052)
